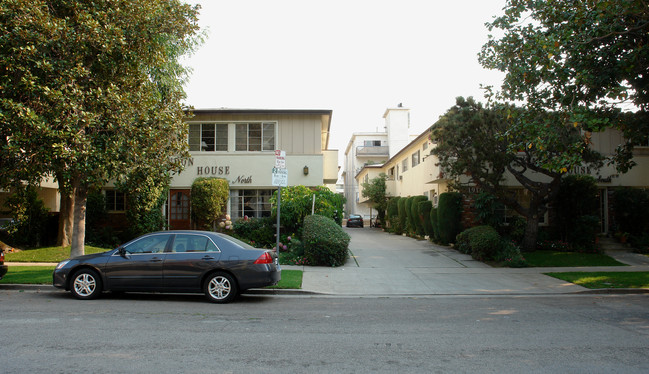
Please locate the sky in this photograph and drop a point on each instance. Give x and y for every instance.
(354, 57)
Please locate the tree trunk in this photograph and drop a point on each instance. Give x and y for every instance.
(66, 219)
(531, 232)
(79, 228)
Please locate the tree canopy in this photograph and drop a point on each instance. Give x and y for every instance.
(481, 146)
(584, 60)
(91, 90)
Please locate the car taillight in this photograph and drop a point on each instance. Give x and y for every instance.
(2, 257)
(266, 258)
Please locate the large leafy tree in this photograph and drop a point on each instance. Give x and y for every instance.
(476, 145)
(584, 60)
(91, 90)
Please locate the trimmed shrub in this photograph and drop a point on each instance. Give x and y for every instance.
(482, 242)
(434, 223)
(449, 213)
(259, 232)
(416, 215)
(410, 223)
(424, 212)
(325, 242)
(209, 197)
(393, 215)
(402, 215)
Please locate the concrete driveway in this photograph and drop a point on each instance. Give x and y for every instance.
(388, 264)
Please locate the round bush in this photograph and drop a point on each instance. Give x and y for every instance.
(482, 242)
(325, 242)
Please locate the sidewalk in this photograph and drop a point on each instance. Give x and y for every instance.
(387, 264)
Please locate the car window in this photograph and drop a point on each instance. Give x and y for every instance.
(193, 243)
(236, 241)
(149, 244)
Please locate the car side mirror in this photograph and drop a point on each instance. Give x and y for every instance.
(122, 252)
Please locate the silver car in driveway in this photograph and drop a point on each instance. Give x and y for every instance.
(216, 264)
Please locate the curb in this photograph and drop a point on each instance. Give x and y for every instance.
(297, 292)
(252, 291)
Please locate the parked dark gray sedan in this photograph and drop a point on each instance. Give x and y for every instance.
(172, 261)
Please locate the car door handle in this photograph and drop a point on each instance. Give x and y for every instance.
(208, 258)
(155, 259)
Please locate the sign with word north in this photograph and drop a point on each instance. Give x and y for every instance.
(280, 177)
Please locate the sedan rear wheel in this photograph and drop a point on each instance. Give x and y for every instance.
(220, 288)
(86, 284)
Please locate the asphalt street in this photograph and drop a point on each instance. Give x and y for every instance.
(51, 332)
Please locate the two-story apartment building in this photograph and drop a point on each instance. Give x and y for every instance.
(414, 171)
(239, 145)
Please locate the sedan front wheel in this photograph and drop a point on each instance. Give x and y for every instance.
(86, 284)
(220, 288)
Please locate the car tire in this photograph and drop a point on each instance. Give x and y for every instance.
(220, 288)
(86, 284)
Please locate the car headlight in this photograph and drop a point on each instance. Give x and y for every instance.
(62, 264)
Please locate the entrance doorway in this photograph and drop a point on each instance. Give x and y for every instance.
(179, 209)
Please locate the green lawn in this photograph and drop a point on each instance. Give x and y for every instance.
(636, 279)
(291, 279)
(568, 259)
(47, 254)
(28, 275)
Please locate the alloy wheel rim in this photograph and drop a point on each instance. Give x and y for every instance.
(219, 287)
(85, 284)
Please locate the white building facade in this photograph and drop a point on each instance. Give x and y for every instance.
(373, 148)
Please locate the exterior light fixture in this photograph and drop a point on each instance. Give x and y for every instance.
(306, 170)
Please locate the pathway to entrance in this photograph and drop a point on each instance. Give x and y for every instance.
(388, 264)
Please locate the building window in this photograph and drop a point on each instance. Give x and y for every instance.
(251, 203)
(372, 143)
(425, 147)
(208, 137)
(255, 137)
(415, 159)
(115, 201)
(404, 165)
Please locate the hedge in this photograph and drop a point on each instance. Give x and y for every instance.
(449, 211)
(416, 215)
(424, 212)
(402, 214)
(393, 214)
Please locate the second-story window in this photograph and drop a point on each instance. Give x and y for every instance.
(404, 165)
(208, 137)
(255, 137)
(415, 159)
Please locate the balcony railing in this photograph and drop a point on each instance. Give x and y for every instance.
(372, 151)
